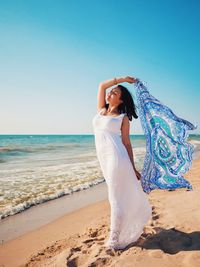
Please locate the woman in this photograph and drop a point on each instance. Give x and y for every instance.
(130, 208)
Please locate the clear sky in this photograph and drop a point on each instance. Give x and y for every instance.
(54, 53)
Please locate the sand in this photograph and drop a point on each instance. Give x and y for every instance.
(39, 215)
(171, 237)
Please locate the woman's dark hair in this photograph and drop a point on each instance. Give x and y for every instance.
(128, 105)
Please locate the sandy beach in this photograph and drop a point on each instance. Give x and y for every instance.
(171, 237)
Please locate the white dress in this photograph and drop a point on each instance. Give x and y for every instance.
(130, 207)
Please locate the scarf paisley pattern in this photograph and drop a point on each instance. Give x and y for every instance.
(168, 154)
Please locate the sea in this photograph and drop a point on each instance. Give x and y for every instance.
(38, 168)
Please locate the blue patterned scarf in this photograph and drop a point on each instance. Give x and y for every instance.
(168, 155)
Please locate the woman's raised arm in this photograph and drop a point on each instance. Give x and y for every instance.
(101, 96)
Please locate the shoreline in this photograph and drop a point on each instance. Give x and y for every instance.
(77, 238)
(16, 252)
(44, 213)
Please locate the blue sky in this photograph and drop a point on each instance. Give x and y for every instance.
(54, 54)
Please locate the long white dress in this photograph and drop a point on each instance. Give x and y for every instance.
(130, 207)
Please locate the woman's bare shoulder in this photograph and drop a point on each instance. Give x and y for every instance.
(126, 118)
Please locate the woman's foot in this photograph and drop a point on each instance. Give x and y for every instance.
(113, 241)
(108, 245)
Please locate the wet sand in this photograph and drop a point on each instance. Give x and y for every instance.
(171, 237)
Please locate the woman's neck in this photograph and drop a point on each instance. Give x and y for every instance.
(112, 109)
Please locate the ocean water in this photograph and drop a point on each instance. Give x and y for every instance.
(38, 168)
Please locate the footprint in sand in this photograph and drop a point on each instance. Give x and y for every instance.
(79, 255)
(155, 216)
(73, 262)
(100, 262)
(92, 252)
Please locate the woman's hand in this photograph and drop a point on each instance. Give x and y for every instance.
(129, 79)
(138, 174)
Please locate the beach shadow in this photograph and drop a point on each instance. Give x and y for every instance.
(170, 241)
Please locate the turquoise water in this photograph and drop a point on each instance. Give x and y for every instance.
(38, 168)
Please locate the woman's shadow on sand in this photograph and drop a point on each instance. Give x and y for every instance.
(170, 241)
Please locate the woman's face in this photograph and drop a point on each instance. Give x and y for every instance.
(113, 97)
